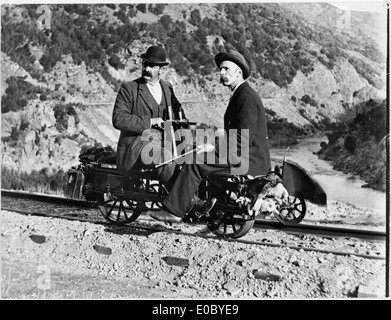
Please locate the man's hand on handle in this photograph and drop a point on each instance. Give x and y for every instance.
(156, 122)
(207, 147)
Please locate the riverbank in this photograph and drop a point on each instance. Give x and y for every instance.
(359, 147)
(369, 161)
(339, 186)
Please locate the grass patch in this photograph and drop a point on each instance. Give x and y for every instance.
(37, 181)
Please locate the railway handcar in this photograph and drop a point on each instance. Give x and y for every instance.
(121, 198)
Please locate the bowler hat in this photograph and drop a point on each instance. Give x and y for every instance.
(235, 57)
(156, 55)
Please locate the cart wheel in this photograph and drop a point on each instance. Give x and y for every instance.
(118, 210)
(231, 225)
(155, 188)
(293, 212)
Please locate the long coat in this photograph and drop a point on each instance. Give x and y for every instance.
(134, 107)
(245, 111)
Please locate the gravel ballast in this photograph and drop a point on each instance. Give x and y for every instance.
(52, 258)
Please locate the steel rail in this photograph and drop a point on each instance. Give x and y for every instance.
(339, 253)
(303, 229)
(322, 231)
(48, 198)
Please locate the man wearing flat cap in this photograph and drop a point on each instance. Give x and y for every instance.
(245, 112)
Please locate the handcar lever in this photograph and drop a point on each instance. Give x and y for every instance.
(198, 149)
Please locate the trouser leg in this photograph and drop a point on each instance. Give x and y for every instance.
(186, 184)
(167, 174)
(157, 155)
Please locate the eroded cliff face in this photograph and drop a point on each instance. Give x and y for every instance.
(39, 145)
(77, 84)
(32, 138)
(335, 91)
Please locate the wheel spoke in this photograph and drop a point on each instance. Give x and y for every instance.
(130, 204)
(229, 225)
(111, 208)
(119, 210)
(294, 212)
(125, 214)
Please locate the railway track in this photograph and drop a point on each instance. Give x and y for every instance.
(154, 229)
(47, 198)
(322, 231)
(74, 249)
(301, 229)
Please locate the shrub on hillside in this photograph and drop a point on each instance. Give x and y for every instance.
(111, 6)
(350, 143)
(13, 137)
(270, 112)
(115, 62)
(18, 93)
(195, 17)
(142, 7)
(256, 30)
(157, 8)
(308, 100)
(62, 113)
(283, 133)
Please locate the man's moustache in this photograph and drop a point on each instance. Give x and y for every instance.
(223, 79)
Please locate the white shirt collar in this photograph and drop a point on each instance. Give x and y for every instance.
(153, 84)
(156, 90)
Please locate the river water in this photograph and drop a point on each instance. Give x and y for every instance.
(336, 184)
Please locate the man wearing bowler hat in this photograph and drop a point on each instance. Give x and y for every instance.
(245, 111)
(141, 104)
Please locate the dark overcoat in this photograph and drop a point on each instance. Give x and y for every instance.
(245, 111)
(133, 109)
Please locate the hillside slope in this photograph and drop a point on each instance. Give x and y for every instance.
(59, 85)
